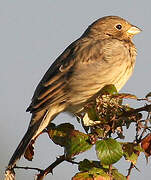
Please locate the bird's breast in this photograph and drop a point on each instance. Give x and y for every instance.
(114, 66)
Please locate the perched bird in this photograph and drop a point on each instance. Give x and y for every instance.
(104, 54)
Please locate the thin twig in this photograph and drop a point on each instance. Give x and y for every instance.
(129, 171)
(135, 111)
(26, 168)
(71, 161)
(144, 99)
(49, 169)
(53, 165)
(137, 168)
(145, 127)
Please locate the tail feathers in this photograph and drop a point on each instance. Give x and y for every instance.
(23, 145)
(9, 173)
(39, 122)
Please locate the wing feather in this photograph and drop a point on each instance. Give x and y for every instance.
(54, 81)
(55, 85)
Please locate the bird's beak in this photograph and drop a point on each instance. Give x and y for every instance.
(133, 30)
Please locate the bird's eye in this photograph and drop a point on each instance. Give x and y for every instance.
(119, 26)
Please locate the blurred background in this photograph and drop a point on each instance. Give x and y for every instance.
(32, 34)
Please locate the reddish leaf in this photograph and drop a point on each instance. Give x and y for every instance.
(146, 145)
(29, 153)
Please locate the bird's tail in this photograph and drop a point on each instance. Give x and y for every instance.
(32, 130)
(23, 145)
(38, 123)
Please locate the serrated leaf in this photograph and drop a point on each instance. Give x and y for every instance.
(77, 143)
(130, 151)
(73, 141)
(109, 151)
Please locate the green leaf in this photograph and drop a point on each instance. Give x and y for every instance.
(131, 151)
(77, 143)
(101, 132)
(117, 176)
(94, 173)
(74, 141)
(99, 174)
(109, 89)
(109, 151)
(59, 134)
(86, 165)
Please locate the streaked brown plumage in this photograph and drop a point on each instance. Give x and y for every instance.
(103, 55)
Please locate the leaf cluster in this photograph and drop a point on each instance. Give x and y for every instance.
(104, 120)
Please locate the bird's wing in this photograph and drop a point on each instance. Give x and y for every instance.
(51, 87)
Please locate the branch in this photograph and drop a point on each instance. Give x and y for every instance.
(135, 111)
(49, 169)
(53, 165)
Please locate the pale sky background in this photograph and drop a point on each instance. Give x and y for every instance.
(32, 34)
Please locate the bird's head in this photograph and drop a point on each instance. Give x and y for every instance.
(112, 26)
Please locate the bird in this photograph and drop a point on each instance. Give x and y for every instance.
(104, 54)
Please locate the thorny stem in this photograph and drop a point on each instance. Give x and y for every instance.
(49, 169)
